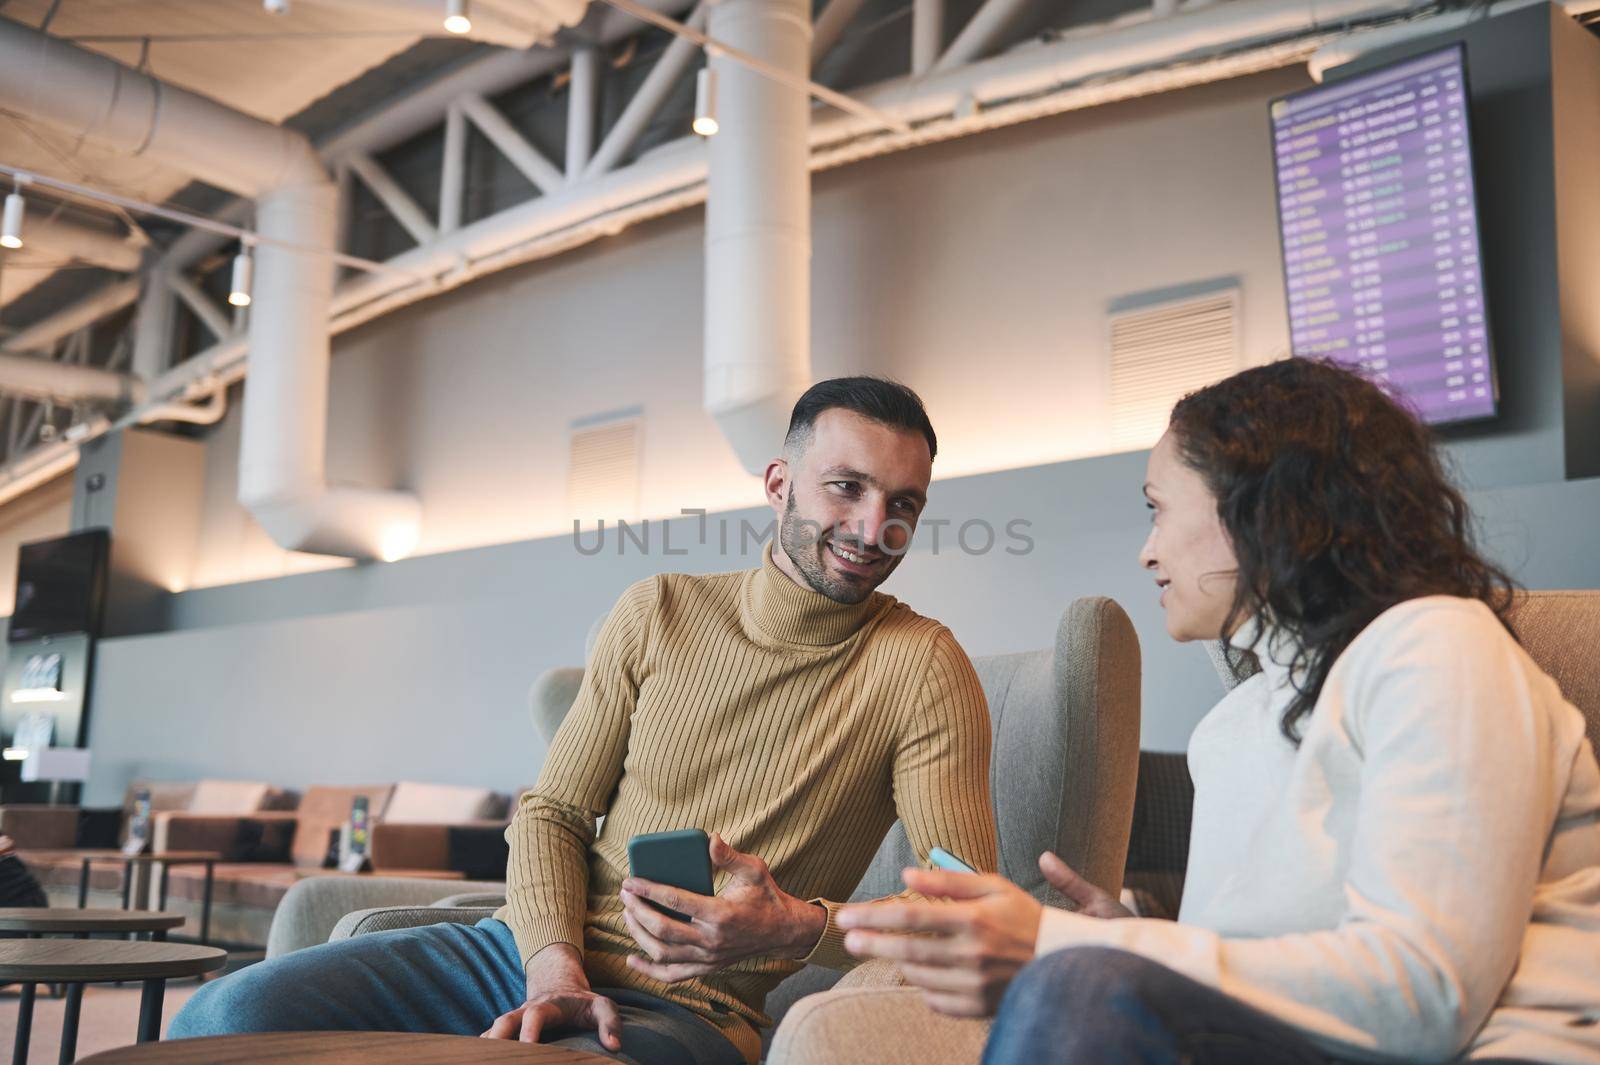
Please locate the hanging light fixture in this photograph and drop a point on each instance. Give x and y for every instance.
(705, 102)
(243, 274)
(11, 228)
(455, 16)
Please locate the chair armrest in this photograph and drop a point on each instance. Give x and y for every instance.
(258, 837)
(310, 909)
(389, 918)
(476, 849)
(476, 899)
(876, 1025)
(40, 827)
(874, 973)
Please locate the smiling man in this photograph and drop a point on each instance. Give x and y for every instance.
(791, 710)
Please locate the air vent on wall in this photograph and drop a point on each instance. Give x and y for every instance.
(1163, 349)
(603, 470)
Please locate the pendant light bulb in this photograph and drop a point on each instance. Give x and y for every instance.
(455, 17)
(243, 275)
(11, 228)
(705, 102)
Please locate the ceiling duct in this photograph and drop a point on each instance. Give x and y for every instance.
(282, 478)
(758, 228)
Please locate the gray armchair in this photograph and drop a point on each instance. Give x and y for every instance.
(886, 1026)
(1066, 741)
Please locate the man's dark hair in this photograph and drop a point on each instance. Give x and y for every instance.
(881, 400)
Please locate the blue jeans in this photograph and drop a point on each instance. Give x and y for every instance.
(1095, 1004)
(448, 978)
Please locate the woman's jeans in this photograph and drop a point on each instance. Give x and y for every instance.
(1095, 1005)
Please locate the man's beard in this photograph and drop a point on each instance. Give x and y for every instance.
(804, 544)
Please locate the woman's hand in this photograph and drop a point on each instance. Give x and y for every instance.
(1090, 900)
(965, 949)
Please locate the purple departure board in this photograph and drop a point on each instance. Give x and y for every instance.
(1379, 222)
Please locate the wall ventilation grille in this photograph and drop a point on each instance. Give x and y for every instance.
(1161, 352)
(603, 471)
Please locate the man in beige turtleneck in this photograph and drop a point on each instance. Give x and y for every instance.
(792, 711)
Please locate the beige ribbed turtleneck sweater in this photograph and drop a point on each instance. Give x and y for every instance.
(797, 727)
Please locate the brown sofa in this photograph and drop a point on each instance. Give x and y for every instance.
(413, 826)
(268, 839)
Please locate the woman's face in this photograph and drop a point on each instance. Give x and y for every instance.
(1187, 550)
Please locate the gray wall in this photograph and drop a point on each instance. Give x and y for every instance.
(979, 271)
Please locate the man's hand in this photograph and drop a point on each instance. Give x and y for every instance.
(972, 945)
(752, 917)
(559, 996)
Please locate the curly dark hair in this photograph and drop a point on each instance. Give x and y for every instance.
(1337, 507)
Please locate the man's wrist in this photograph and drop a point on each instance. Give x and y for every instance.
(811, 921)
(556, 963)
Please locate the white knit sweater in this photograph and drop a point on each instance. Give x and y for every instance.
(1421, 877)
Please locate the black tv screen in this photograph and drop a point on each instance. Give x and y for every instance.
(61, 586)
(1379, 220)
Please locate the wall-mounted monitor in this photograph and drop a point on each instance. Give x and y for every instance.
(61, 586)
(1379, 221)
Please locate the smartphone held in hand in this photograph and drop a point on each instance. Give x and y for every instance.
(680, 859)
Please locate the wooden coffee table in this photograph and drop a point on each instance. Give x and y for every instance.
(34, 920)
(76, 962)
(343, 1048)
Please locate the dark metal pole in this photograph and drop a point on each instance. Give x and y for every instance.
(69, 1024)
(19, 1048)
(205, 905)
(150, 1010)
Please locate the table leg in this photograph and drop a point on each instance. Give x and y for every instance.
(83, 885)
(163, 895)
(150, 1010)
(127, 884)
(69, 1024)
(19, 1048)
(205, 905)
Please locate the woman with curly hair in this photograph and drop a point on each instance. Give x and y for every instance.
(1395, 851)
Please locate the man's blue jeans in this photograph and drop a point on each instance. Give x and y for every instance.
(447, 978)
(1095, 1004)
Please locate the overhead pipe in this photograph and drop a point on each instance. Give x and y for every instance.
(282, 474)
(1358, 44)
(758, 228)
(96, 247)
(41, 379)
(42, 335)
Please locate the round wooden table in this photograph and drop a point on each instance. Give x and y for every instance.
(32, 919)
(343, 1048)
(76, 962)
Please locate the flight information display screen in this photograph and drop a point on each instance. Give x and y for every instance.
(1379, 221)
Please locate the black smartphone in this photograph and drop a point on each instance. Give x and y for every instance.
(681, 859)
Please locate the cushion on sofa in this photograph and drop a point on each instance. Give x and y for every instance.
(229, 796)
(441, 804)
(324, 809)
